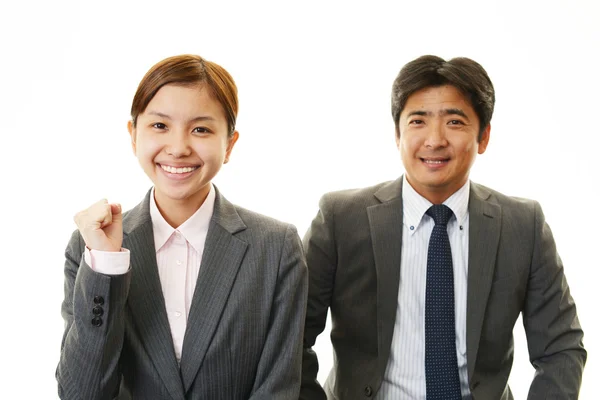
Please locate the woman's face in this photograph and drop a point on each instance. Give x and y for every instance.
(181, 142)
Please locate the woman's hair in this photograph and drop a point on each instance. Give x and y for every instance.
(188, 70)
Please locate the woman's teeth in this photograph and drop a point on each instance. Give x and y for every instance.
(174, 170)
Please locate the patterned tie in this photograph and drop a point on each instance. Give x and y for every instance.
(441, 366)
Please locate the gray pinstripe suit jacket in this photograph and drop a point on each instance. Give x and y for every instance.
(244, 334)
(353, 251)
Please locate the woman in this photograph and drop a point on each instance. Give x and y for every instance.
(186, 295)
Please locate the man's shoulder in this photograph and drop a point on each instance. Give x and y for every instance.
(356, 201)
(509, 203)
(359, 196)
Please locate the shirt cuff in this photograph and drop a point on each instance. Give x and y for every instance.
(108, 262)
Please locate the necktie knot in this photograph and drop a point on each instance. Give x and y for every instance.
(440, 213)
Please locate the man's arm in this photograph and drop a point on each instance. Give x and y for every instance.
(319, 245)
(94, 327)
(554, 335)
(278, 374)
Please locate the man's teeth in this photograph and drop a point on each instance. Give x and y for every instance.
(435, 161)
(174, 170)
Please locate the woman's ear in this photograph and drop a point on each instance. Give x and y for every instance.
(131, 130)
(230, 144)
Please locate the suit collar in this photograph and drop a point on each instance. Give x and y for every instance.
(485, 217)
(385, 223)
(223, 255)
(480, 193)
(138, 216)
(390, 191)
(226, 216)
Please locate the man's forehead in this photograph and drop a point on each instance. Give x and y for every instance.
(438, 99)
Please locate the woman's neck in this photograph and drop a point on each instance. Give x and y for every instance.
(177, 211)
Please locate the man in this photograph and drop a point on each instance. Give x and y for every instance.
(425, 276)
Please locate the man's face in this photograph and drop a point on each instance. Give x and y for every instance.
(438, 141)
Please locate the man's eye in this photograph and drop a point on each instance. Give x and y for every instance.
(455, 122)
(416, 122)
(159, 125)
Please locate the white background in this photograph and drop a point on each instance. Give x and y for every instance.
(314, 79)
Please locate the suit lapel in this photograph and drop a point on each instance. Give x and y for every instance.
(146, 299)
(385, 222)
(484, 234)
(221, 260)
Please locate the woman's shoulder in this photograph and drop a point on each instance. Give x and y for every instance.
(264, 223)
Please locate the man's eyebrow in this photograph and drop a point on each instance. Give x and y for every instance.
(419, 112)
(454, 111)
(447, 111)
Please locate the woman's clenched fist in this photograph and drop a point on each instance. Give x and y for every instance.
(101, 226)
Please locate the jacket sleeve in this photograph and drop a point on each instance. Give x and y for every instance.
(319, 245)
(554, 335)
(93, 311)
(279, 368)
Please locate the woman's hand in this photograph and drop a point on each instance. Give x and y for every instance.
(101, 226)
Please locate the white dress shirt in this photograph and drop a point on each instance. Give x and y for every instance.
(405, 373)
(178, 255)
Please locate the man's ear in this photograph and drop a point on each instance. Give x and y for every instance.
(132, 133)
(484, 140)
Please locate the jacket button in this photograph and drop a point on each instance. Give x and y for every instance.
(97, 311)
(368, 391)
(97, 321)
(99, 300)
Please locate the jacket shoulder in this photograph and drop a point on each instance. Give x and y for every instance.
(510, 204)
(353, 198)
(258, 222)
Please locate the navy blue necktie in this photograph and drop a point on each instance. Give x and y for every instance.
(441, 366)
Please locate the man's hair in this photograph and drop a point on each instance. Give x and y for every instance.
(431, 71)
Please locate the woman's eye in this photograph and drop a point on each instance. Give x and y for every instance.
(200, 129)
(159, 125)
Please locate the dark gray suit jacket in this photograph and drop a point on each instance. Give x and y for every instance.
(353, 251)
(244, 332)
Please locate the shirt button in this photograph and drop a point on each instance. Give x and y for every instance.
(412, 228)
(177, 314)
(179, 262)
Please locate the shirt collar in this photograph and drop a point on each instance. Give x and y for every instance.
(415, 205)
(194, 229)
